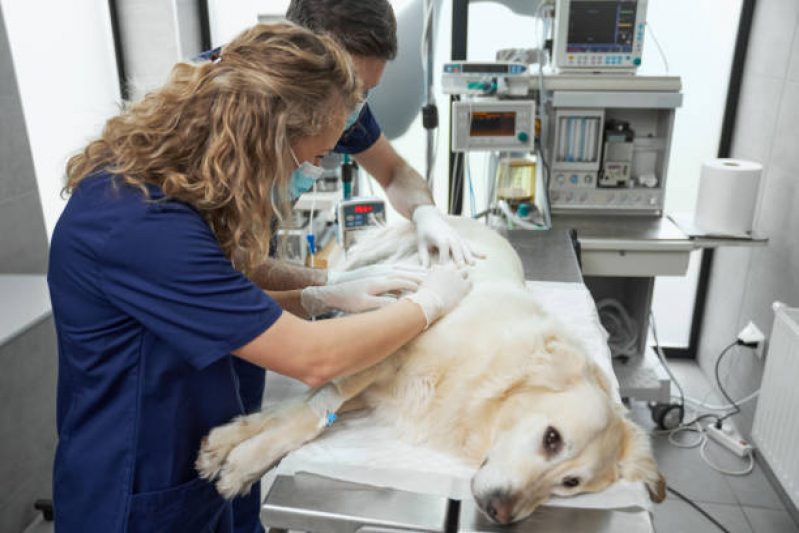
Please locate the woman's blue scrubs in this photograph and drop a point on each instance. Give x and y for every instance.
(147, 309)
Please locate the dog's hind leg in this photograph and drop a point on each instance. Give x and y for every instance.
(251, 445)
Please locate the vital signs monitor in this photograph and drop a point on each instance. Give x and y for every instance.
(599, 35)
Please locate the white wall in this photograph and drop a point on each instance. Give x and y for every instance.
(703, 59)
(228, 19)
(64, 60)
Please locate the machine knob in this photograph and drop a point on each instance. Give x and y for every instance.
(523, 137)
(561, 179)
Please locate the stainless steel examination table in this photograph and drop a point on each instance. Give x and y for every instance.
(307, 502)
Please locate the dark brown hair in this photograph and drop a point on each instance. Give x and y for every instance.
(364, 27)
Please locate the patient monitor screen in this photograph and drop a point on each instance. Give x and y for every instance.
(493, 124)
(601, 26)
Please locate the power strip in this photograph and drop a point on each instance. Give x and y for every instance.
(734, 443)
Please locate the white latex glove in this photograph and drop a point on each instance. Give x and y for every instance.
(434, 232)
(378, 271)
(355, 296)
(444, 287)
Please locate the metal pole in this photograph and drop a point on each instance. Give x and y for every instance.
(429, 97)
(460, 29)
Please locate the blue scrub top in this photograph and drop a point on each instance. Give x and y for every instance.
(147, 310)
(361, 135)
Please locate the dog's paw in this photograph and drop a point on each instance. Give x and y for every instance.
(281, 433)
(245, 465)
(220, 441)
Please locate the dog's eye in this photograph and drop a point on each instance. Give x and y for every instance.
(552, 440)
(571, 482)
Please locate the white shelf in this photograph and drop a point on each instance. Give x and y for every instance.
(643, 378)
(24, 301)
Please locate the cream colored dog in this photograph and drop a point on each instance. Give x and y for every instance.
(497, 382)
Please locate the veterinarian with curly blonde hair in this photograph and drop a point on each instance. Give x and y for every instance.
(148, 303)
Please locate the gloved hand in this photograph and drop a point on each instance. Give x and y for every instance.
(435, 233)
(411, 272)
(357, 295)
(444, 287)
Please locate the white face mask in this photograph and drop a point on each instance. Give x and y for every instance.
(303, 177)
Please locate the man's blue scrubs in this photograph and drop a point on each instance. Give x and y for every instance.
(147, 309)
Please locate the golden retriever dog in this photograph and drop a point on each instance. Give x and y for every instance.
(497, 382)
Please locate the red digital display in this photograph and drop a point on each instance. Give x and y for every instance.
(364, 208)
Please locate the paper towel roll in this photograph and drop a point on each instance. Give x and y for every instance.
(727, 196)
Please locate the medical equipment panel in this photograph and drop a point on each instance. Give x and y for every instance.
(356, 215)
(599, 35)
(475, 78)
(578, 134)
(609, 150)
(505, 125)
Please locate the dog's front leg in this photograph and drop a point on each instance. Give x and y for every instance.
(239, 453)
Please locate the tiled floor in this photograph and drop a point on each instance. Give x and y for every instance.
(746, 504)
(741, 504)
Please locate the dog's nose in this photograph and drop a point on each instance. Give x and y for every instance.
(499, 511)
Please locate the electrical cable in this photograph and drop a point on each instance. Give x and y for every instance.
(662, 358)
(622, 329)
(662, 55)
(539, 13)
(428, 15)
(710, 407)
(472, 199)
(736, 408)
(695, 506)
(428, 178)
(746, 471)
(548, 207)
(694, 425)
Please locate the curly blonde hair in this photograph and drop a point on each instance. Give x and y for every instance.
(217, 136)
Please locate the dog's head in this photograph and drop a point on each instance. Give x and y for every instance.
(557, 431)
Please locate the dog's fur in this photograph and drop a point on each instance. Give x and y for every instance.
(497, 382)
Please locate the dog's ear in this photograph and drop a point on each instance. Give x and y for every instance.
(637, 463)
(555, 363)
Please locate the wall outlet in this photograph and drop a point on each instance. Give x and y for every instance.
(752, 336)
(729, 438)
(760, 349)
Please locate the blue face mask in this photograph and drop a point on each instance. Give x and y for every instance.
(303, 177)
(356, 113)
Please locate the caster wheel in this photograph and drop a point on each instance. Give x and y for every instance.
(667, 415)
